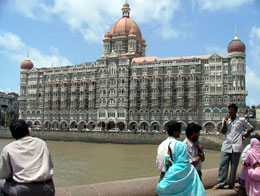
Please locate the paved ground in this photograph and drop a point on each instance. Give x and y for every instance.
(225, 192)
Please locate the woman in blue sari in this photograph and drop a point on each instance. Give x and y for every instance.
(181, 178)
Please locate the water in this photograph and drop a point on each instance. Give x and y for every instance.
(77, 163)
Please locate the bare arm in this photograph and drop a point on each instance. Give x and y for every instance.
(224, 126)
(248, 133)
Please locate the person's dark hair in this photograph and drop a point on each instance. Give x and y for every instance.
(173, 126)
(192, 128)
(233, 106)
(19, 129)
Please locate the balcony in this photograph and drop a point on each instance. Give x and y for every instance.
(179, 83)
(180, 94)
(54, 98)
(74, 89)
(83, 88)
(167, 95)
(155, 85)
(155, 96)
(192, 83)
(82, 97)
(167, 85)
(47, 89)
(133, 86)
(55, 89)
(63, 104)
(144, 86)
(238, 92)
(192, 94)
(73, 97)
(63, 98)
(91, 88)
(192, 104)
(63, 89)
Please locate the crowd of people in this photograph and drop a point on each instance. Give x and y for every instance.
(26, 167)
(180, 163)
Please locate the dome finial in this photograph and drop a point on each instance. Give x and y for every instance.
(126, 10)
(236, 32)
(27, 55)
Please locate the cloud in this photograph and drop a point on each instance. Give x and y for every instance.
(15, 49)
(212, 49)
(93, 18)
(214, 5)
(10, 90)
(11, 41)
(253, 73)
(35, 9)
(252, 84)
(254, 49)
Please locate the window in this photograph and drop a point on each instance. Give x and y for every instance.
(111, 115)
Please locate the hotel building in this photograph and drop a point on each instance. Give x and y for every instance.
(127, 89)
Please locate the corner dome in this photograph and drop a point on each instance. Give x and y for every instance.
(107, 35)
(132, 31)
(236, 45)
(27, 64)
(143, 40)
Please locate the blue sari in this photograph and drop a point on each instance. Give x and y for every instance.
(181, 179)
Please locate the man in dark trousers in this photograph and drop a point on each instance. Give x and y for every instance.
(25, 165)
(233, 128)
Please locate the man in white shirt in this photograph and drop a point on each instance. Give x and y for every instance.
(233, 128)
(25, 165)
(196, 155)
(174, 131)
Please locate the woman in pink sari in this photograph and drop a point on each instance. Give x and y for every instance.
(252, 161)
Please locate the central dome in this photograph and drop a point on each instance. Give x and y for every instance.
(124, 25)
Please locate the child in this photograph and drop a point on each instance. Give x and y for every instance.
(196, 155)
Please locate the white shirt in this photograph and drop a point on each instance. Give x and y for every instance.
(162, 151)
(233, 136)
(26, 160)
(243, 155)
(193, 152)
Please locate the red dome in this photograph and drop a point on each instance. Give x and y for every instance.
(27, 64)
(236, 45)
(124, 25)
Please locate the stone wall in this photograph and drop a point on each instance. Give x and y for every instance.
(212, 142)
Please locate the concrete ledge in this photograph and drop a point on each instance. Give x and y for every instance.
(140, 187)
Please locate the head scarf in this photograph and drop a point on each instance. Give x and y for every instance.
(181, 178)
(255, 150)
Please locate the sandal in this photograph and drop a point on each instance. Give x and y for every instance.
(216, 187)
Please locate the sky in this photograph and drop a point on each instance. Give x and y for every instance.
(68, 32)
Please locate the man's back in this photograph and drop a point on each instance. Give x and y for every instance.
(29, 160)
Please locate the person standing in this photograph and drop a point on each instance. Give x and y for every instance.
(252, 162)
(174, 130)
(181, 177)
(196, 155)
(25, 165)
(233, 128)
